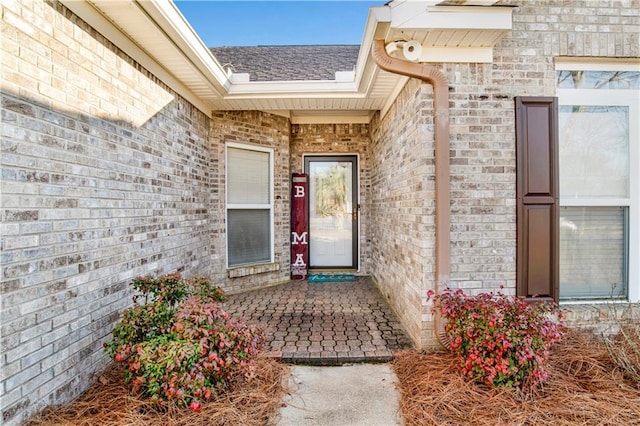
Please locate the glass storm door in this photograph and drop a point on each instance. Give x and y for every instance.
(333, 211)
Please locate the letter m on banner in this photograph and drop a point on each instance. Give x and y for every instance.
(299, 227)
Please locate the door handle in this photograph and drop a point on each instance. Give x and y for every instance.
(354, 215)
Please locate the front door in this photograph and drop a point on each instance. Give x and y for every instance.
(333, 211)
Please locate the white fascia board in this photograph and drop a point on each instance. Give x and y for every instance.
(378, 26)
(164, 18)
(279, 89)
(406, 11)
(372, 29)
(173, 23)
(457, 54)
(345, 76)
(97, 20)
(419, 15)
(577, 63)
(332, 119)
(242, 77)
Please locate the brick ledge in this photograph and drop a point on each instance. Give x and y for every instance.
(602, 317)
(244, 271)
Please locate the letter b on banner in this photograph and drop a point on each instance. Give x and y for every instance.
(299, 227)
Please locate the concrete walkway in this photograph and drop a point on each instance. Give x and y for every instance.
(341, 332)
(349, 395)
(323, 323)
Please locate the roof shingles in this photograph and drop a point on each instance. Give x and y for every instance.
(288, 63)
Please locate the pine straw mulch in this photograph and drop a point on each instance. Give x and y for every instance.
(107, 402)
(583, 387)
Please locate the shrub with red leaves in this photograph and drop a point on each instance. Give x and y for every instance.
(500, 340)
(181, 345)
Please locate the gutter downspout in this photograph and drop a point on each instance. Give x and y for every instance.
(437, 79)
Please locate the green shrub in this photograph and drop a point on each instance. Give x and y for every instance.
(500, 340)
(170, 288)
(180, 344)
(202, 288)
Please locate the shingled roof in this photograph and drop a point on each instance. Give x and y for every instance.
(282, 63)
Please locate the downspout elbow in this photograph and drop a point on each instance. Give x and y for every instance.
(437, 79)
(424, 72)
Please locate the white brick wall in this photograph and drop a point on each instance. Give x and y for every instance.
(105, 176)
(482, 149)
(260, 129)
(108, 174)
(403, 205)
(335, 139)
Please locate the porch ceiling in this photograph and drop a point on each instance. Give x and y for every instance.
(156, 35)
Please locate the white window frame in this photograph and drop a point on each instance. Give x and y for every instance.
(613, 97)
(233, 206)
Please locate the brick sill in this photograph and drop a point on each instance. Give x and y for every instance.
(601, 316)
(243, 271)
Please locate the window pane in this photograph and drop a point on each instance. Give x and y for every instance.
(593, 250)
(594, 151)
(248, 176)
(249, 236)
(598, 79)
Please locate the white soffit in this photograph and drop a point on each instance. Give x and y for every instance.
(460, 33)
(159, 28)
(155, 33)
(109, 27)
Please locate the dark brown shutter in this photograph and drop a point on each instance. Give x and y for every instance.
(537, 197)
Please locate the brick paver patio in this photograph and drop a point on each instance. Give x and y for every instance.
(323, 322)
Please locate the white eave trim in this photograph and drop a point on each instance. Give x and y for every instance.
(377, 26)
(418, 16)
(173, 23)
(577, 63)
(325, 117)
(172, 27)
(105, 27)
(266, 89)
(343, 118)
(195, 63)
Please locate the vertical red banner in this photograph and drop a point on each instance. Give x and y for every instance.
(299, 227)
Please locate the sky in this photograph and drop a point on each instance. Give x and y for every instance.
(253, 23)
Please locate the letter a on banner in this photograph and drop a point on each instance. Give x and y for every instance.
(299, 227)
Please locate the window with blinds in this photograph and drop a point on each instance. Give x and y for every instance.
(593, 252)
(599, 193)
(249, 205)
